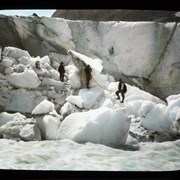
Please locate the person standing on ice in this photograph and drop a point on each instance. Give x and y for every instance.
(88, 71)
(1, 48)
(61, 71)
(38, 65)
(121, 89)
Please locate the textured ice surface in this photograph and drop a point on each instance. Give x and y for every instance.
(69, 155)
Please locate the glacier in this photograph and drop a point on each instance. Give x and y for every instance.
(37, 110)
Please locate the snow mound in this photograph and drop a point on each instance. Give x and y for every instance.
(26, 79)
(101, 126)
(153, 116)
(43, 107)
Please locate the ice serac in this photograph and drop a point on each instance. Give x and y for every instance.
(20, 79)
(144, 53)
(22, 101)
(95, 126)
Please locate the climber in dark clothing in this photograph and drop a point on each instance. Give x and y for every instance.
(121, 89)
(1, 58)
(88, 71)
(38, 65)
(61, 71)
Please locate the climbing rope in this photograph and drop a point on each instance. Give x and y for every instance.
(104, 88)
(99, 84)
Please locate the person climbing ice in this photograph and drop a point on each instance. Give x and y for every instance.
(38, 66)
(121, 89)
(88, 71)
(61, 71)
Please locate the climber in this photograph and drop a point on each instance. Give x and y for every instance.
(38, 65)
(121, 89)
(88, 71)
(61, 71)
(1, 48)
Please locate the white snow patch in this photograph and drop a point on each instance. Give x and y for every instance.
(76, 100)
(43, 107)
